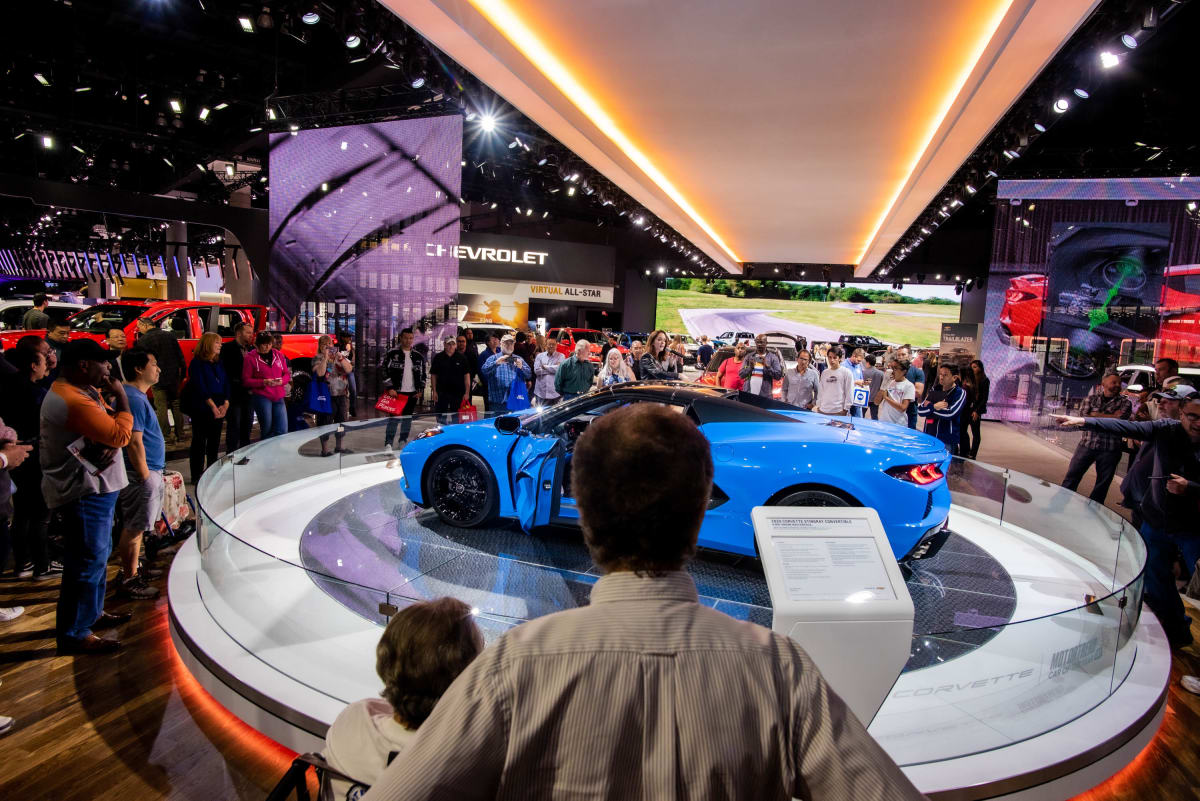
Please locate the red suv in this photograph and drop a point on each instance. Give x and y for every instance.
(595, 338)
(1022, 311)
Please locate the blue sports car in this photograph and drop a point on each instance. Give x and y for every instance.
(764, 452)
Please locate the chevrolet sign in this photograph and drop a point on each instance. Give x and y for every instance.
(487, 254)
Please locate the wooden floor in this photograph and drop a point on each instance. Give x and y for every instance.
(134, 725)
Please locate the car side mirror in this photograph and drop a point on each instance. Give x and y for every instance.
(508, 424)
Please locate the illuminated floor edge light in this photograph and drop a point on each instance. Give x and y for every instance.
(514, 29)
(938, 119)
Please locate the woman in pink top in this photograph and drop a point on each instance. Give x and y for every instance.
(266, 374)
(727, 373)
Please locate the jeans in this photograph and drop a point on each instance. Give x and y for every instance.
(874, 407)
(272, 416)
(912, 415)
(1106, 467)
(856, 411)
(87, 529)
(1161, 595)
(206, 442)
(238, 421)
(970, 438)
(403, 422)
(30, 521)
(447, 403)
(168, 397)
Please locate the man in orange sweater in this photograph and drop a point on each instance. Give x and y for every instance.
(82, 473)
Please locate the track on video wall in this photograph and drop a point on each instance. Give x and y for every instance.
(363, 222)
(815, 311)
(1078, 287)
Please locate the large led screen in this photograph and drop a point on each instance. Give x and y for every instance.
(815, 311)
(364, 220)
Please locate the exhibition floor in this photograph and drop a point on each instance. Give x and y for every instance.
(128, 722)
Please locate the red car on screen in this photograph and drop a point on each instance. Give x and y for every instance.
(1179, 332)
(1023, 301)
(864, 310)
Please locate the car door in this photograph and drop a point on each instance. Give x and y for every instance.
(535, 464)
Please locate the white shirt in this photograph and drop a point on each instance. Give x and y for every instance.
(406, 384)
(359, 742)
(836, 391)
(897, 391)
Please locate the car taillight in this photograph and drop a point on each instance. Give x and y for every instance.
(921, 474)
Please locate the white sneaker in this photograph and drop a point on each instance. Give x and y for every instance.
(6, 723)
(1191, 684)
(8, 613)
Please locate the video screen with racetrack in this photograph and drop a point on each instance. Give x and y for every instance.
(364, 221)
(696, 306)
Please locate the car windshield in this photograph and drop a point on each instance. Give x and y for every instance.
(786, 353)
(99, 319)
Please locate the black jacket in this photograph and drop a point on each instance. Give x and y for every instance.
(1168, 450)
(21, 408)
(167, 353)
(231, 358)
(393, 369)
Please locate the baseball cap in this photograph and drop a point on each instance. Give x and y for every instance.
(1178, 392)
(79, 350)
(508, 338)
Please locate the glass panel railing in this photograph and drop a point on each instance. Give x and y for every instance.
(1024, 614)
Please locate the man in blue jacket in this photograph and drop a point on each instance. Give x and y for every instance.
(943, 406)
(1161, 487)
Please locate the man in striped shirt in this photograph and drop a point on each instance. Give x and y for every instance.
(645, 693)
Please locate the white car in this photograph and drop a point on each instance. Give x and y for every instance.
(690, 346)
(1142, 375)
(12, 312)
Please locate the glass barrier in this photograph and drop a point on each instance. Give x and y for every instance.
(1032, 596)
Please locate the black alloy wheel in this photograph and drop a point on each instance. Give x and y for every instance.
(813, 497)
(460, 487)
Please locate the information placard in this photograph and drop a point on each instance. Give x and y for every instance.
(846, 566)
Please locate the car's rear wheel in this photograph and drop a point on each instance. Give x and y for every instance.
(460, 487)
(814, 496)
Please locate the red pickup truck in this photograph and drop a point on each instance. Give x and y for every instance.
(186, 319)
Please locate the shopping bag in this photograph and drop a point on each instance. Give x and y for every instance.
(467, 413)
(518, 395)
(318, 400)
(175, 508)
(389, 405)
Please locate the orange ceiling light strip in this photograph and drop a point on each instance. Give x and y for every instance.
(935, 122)
(507, 22)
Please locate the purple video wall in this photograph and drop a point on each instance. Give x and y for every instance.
(363, 221)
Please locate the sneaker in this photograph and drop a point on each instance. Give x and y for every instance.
(1191, 684)
(6, 723)
(54, 569)
(136, 589)
(26, 571)
(8, 613)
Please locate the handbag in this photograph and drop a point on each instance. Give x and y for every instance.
(467, 413)
(389, 405)
(518, 395)
(318, 400)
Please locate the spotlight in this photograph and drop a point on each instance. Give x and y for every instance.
(202, 167)
(939, 277)
(311, 17)
(970, 191)
(80, 149)
(1037, 126)
(229, 170)
(662, 270)
(542, 162)
(176, 106)
(1191, 206)
(1083, 94)
(570, 191)
(83, 89)
(487, 122)
(1061, 105)
(168, 161)
(1109, 60)
(418, 82)
(204, 113)
(353, 41)
(1130, 41)
(925, 231)
(246, 24)
(48, 142)
(220, 106)
(638, 220)
(528, 212)
(270, 113)
(40, 78)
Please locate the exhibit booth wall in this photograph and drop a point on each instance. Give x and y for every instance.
(1086, 276)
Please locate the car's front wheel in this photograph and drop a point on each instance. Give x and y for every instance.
(460, 487)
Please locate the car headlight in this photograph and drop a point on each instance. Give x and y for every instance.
(429, 432)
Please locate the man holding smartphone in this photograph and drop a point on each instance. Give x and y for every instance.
(761, 369)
